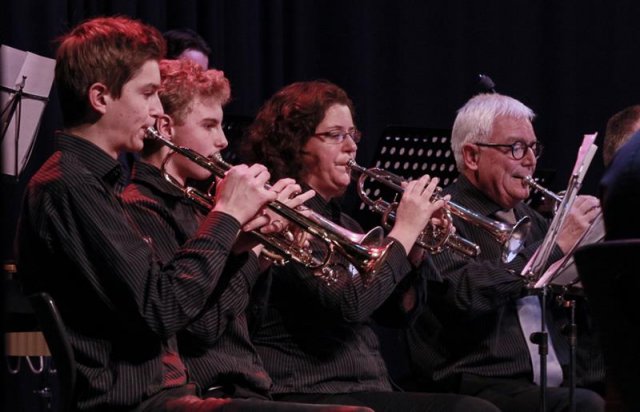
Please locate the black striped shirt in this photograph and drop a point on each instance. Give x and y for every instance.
(316, 337)
(216, 346)
(473, 324)
(121, 307)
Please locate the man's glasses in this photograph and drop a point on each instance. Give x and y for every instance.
(518, 149)
(339, 136)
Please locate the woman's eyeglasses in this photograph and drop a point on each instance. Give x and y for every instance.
(339, 136)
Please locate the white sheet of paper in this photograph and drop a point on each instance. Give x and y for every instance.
(39, 72)
(585, 156)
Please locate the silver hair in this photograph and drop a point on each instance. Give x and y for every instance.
(474, 121)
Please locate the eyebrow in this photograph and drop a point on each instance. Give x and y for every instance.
(513, 139)
(153, 86)
(330, 128)
(210, 120)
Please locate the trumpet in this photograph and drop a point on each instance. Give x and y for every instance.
(554, 198)
(436, 239)
(365, 251)
(529, 180)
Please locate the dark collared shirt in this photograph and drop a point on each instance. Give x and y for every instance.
(120, 306)
(316, 337)
(216, 346)
(472, 325)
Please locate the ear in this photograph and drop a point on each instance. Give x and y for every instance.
(470, 156)
(164, 125)
(99, 97)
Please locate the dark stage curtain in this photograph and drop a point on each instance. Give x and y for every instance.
(403, 62)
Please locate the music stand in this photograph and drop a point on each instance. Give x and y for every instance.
(534, 270)
(13, 111)
(25, 83)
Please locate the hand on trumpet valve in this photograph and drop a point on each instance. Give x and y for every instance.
(418, 203)
(584, 211)
(242, 192)
(439, 228)
(441, 218)
(415, 209)
(287, 192)
(274, 226)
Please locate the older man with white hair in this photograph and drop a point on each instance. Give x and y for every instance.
(475, 339)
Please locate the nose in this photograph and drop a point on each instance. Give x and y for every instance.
(529, 158)
(220, 139)
(155, 107)
(349, 145)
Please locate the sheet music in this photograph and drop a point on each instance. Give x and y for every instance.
(563, 271)
(534, 266)
(583, 153)
(39, 72)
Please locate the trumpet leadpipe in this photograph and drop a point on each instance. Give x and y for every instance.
(529, 180)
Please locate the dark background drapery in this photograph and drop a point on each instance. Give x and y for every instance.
(403, 62)
(406, 62)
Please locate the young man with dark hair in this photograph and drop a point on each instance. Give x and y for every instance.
(121, 307)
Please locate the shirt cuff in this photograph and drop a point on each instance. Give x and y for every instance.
(396, 261)
(221, 226)
(251, 269)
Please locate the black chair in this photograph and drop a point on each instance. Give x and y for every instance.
(56, 336)
(610, 273)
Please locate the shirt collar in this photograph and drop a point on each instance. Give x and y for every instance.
(473, 197)
(91, 156)
(330, 209)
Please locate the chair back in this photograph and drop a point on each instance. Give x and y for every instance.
(610, 274)
(55, 334)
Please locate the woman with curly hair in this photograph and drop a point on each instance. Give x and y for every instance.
(314, 334)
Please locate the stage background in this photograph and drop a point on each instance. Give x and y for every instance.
(403, 62)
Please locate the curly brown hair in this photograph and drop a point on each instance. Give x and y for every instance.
(109, 50)
(286, 122)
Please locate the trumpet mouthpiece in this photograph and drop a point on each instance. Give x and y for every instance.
(151, 133)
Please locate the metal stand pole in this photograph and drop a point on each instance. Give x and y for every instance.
(13, 106)
(570, 331)
(542, 340)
